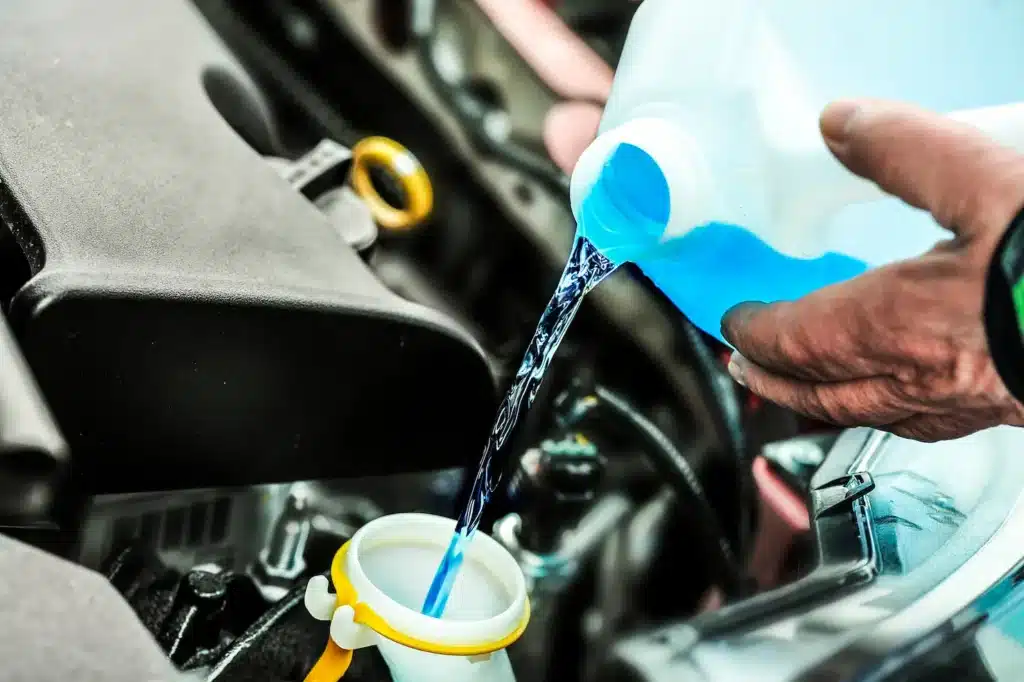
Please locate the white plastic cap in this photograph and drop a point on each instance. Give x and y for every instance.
(676, 153)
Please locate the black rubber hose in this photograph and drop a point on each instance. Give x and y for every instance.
(692, 500)
(729, 418)
(471, 115)
(249, 640)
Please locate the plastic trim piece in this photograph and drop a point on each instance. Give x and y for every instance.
(33, 454)
(192, 320)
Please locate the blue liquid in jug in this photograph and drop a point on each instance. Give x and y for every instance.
(706, 271)
(717, 266)
(585, 269)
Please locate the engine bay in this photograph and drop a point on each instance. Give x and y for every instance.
(264, 267)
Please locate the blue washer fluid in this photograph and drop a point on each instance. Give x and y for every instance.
(706, 271)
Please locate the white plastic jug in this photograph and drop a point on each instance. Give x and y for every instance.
(380, 579)
(709, 170)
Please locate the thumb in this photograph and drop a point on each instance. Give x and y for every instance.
(948, 168)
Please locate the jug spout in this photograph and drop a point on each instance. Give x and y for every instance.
(638, 186)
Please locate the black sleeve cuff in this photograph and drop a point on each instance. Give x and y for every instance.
(1004, 312)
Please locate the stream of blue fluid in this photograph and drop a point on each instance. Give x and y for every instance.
(585, 269)
(704, 272)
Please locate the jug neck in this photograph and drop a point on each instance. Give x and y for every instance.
(639, 185)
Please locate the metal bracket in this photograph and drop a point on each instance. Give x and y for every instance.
(839, 494)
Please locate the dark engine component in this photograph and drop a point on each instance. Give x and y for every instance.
(32, 451)
(219, 622)
(33, 454)
(192, 319)
(193, 616)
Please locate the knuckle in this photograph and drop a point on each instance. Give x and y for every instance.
(754, 382)
(955, 375)
(793, 347)
(868, 402)
(757, 381)
(924, 433)
(967, 374)
(925, 428)
(965, 377)
(821, 404)
(796, 341)
(845, 408)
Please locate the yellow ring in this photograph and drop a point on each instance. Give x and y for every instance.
(403, 167)
(346, 596)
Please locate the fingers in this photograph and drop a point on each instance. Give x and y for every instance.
(874, 401)
(833, 334)
(955, 423)
(930, 428)
(966, 181)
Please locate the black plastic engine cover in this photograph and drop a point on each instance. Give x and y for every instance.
(192, 320)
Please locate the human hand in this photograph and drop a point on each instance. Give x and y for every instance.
(902, 347)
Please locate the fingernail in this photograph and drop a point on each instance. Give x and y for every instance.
(837, 119)
(737, 368)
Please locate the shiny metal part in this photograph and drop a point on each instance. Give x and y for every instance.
(578, 544)
(310, 510)
(800, 457)
(548, 575)
(281, 561)
(805, 451)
